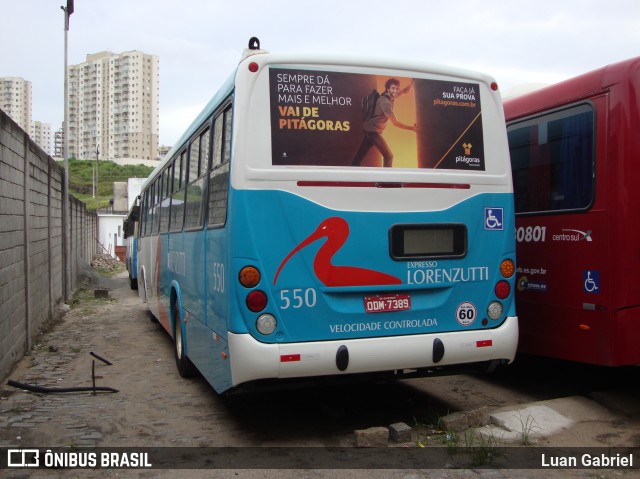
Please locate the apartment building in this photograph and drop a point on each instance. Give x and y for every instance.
(15, 100)
(41, 134)
(58, 142)
(114, 106)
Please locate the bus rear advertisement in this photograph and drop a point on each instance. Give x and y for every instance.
(328, 216)
(573, 151)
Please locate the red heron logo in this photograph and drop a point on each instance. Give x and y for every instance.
(336, 232)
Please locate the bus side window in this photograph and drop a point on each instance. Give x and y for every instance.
(194, 159)
(150, 213)
(143, 215)
(216, 157)
(219, 175)
(165, 201)
(204, 152)
(177, 197)
(198, 158)
(552, 159)
(155, 216)
(157, 201)
(226, 152)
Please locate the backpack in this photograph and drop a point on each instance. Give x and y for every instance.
(369, 104)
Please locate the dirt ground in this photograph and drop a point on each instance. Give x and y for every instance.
(118, 329)
(154, 407)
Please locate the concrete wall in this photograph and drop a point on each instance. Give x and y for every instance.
(120, 196)
(32, 272)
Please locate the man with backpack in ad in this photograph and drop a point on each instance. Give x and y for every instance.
(377, 111)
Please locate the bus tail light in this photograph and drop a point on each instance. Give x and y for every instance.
(266, 324)
(256, 300)
(494, 311)
(249, 276)
(507, 268)
(502, 289)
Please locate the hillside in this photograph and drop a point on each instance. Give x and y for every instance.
(81, 179)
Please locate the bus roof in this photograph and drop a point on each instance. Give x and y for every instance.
(571, 90)
(223, 92)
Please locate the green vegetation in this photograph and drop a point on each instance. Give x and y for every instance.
(81, 179)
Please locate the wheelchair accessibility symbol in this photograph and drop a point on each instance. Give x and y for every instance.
(591, 281)
(493, 219)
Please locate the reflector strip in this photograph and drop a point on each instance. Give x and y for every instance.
(485, 343)
(289, 358)
(381, 184)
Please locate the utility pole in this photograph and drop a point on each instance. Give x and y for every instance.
(97, 163)
(66, 216)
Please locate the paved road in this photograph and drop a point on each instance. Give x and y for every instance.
(156, 407)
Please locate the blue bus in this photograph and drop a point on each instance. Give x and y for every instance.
(130, 228)
(333, 216)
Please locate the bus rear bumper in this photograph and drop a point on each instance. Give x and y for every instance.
(253, 360)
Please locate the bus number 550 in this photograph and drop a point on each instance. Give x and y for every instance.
(218, 277)
(297, 298)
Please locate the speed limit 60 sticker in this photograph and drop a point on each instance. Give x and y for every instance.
(466, 313)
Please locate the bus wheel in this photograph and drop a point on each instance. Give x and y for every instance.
(186, 369)
(143, 296)
(133, 282)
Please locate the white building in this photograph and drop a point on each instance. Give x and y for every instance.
(110, 232)
(114, 106)
(41, 134)
(15, 100)
(110, 225)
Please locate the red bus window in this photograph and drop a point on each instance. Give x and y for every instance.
(552, 158)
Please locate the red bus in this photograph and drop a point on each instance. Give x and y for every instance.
(575, 153)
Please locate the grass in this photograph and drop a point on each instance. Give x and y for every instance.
(428, 424)
(112, 270)
(484, 449)
(529, 426)
(85, 298)
(81, 179)
(469, 445)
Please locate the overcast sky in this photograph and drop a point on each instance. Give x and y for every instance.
(199, 42)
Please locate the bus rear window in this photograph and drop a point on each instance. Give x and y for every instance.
(341, 119)
(552, 160)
